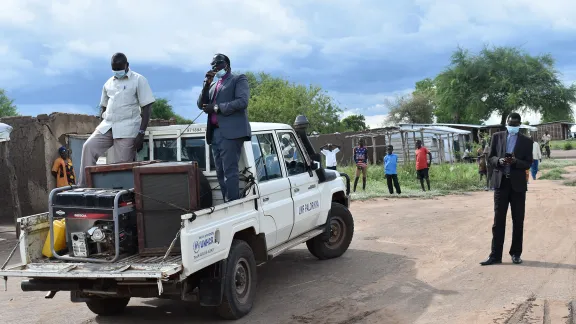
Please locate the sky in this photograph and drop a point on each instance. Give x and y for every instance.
(55, 55)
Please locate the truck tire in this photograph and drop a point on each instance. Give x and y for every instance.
(239, 282)
(341, 233)
(108, 306)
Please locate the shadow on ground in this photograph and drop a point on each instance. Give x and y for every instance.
(298, 288)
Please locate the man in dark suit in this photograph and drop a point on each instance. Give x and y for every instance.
(226, 102)
(510, 156)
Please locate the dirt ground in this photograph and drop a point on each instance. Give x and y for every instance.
(411, 261)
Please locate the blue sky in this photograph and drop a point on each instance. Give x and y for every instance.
(54, 55)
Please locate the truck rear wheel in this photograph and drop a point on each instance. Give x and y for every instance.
(341, 232)
(108, 306)
(239, 282)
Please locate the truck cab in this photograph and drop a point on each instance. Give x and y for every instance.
(287, 199)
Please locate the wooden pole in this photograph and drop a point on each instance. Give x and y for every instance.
(374, 150)
(440, 149)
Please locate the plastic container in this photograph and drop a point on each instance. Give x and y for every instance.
(59, 238)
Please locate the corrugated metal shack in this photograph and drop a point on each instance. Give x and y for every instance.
(438, 139)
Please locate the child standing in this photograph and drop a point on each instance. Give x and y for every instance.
(390, 164)
(361, 160)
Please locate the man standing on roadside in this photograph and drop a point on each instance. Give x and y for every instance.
(390, 166)
(330, 151)
(126, 105)
(423, 164)
(226, 104)
(546, 138)
(511, 156)
(537, 156)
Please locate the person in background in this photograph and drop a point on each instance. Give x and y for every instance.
(329, 152)
(488, 167)
(361, 159)
(390, 166)
(537, 156)
(482, 169)
(546, 138)
(423, 164)
(63, 170)
(126, 105)
(511, 156)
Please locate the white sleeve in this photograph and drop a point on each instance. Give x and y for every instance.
(336, 150)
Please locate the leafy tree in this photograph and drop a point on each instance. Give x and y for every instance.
(161, 109)
(7, 107)
(273, 99)
(500, 80)
(416, 108)
(354, 123)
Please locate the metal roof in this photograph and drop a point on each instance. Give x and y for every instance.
(446, 124)
(436, 130)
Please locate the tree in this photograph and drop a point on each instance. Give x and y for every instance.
(416, 108)
(161, 109)
(354, 123)
(7, 107)
(273, 99)
(500, 80)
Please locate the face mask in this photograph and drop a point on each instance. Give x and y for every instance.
(119, 74)
(513, 129)
(220, 73)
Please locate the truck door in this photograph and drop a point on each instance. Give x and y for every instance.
(304, 187)
(274, 187)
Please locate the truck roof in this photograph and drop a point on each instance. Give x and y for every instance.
(201, 128)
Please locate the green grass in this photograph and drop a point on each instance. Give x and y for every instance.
(444, 179)
(553, 174)
(563, 145)
(548, 164)
(571, 183)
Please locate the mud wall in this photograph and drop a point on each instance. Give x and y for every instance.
(32, 149)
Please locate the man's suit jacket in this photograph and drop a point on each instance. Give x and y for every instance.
(232, 100)
(523, 155)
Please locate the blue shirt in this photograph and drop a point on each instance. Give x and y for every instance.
(390, 162)
(510, 145)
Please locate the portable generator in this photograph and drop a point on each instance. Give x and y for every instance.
(100, 223)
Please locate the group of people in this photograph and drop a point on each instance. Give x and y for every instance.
(360, 156)
(485, 169)
(126, 104)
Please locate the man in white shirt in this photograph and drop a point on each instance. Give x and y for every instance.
(126, 106)
(537, 156)
(330, 151)
(546, 138)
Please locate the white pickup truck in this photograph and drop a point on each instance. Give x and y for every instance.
(292, 200)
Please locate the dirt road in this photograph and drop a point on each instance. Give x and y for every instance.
(411, 261)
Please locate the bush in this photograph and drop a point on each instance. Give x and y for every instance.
(567, 146)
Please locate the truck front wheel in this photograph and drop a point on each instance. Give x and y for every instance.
(341, 232)
(108, 306)
(239, 282)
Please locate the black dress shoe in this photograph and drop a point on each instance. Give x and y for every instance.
(516, 259)
(490, 261)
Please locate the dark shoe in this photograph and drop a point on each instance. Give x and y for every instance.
(516, 259)
(490, 261)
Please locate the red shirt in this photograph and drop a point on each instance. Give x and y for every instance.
(422, 158)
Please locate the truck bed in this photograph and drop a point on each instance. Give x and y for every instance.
(33, 232)
(135, 267)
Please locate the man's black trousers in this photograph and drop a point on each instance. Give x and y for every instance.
(503, 197)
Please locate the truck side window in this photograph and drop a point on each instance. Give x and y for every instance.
(194, 149)
(295, 163)
(266, 157)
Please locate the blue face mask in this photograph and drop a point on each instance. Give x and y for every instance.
(513, 129)
(119, 74)
(221, 73)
